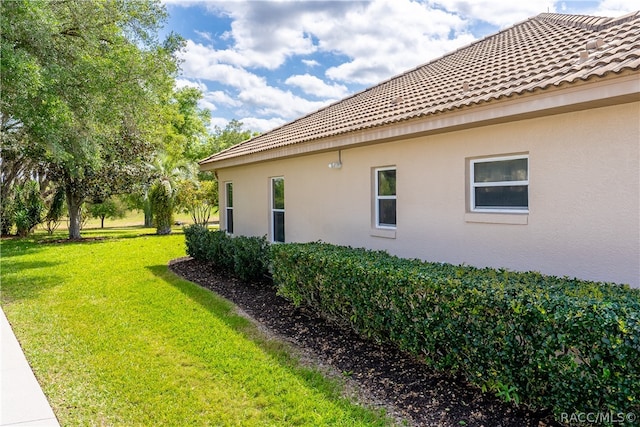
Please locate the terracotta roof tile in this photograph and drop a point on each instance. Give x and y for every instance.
(543, 51)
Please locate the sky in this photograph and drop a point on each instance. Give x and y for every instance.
(268, 62)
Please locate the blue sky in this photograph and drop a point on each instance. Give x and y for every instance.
(267, 62)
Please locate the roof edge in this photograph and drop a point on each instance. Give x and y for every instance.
(588, 22)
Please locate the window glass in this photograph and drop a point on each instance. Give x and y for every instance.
(278, 227)
(229, 208)
(500, 184)
(278, 193)
(277, 209)
(387, 212)
(503, 170)
(385, 197)
(387, 182)
(229, 194)
(511, 196)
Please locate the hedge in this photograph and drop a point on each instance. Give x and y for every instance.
(246, 257)
(550, 343)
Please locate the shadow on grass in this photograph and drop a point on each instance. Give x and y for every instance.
(16, 246)
(280, 352)
(16, 287)
(222, 308)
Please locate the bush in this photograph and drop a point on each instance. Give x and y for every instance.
(161, 197)
(550, 343)
(55, 212)
(28, 207)
(250, 257)
(196, 237)
(245, 257)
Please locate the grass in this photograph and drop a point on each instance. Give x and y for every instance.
(115, 338)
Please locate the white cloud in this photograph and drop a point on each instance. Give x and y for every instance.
(261, 125)
(271, 101)
(354, 43)
(220, 122)
(388, 37)
(616, 8)
(501, 13)
(181, 83)
(312, 85)
(220, 97)
(204, 34)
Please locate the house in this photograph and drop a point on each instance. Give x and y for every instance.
(518, 151)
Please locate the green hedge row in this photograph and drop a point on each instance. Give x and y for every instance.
(547, 342)
(246, 257)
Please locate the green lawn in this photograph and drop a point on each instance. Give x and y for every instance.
(115, 338)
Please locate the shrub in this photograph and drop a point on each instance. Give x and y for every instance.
(161, 197)
(250, 257)
(550, 343)
(196, 239)
(245, 257)
(28, 207)
(55, 212)
(7, 214)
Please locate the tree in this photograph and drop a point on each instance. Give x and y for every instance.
(109, 208)
(197, 198)
(85, 80)
(186, 130)
(226, 137)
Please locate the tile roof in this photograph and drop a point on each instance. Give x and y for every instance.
(543, 51)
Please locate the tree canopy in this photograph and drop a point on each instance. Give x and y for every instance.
(84, 85)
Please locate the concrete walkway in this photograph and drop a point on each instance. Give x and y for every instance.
(22, 402)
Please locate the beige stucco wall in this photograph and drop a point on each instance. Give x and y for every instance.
(584, 191)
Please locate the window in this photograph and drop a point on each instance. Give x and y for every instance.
(277, 209)
(385, 195)
(228, 213)
(500, 184)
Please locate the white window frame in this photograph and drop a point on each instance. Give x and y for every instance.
(474, 185)
(227, 207)
(274, 210)
(378, 197)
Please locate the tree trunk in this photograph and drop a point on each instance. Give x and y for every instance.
(102, 221)
(74, 203)
(148, 211)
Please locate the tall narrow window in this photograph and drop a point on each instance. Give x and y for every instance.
(385, 202)
(277, 209)
(500, 184)
(228, 213)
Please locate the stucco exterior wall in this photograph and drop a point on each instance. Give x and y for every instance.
(584, 196)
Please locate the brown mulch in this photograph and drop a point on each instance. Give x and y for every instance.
(380, 375)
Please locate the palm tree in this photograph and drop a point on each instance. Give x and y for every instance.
(167, 170)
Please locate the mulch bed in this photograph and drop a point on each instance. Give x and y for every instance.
(378, 375)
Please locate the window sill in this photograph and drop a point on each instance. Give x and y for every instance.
(497, 218)
(384, 233)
